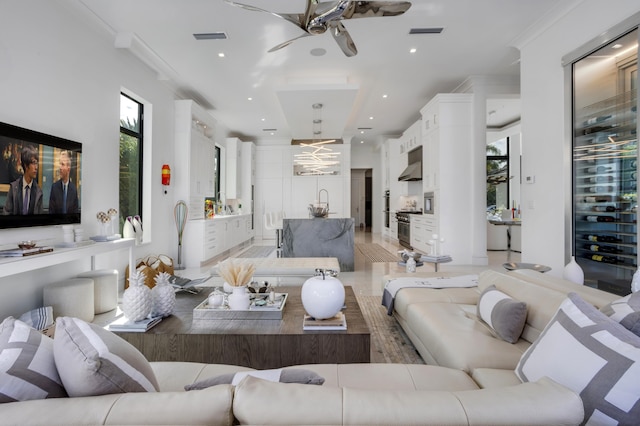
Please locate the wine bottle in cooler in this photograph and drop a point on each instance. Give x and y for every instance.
(601, 188)
(594, 218)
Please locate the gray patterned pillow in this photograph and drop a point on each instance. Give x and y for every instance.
(626, 311)
(589, 353)
(503, 314)
(286, 375)
(27, 367)
(95, 361)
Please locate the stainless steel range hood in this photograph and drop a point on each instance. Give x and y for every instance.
(413, 172)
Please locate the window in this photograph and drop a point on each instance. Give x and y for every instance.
(497, 175)
(216, 171)
(131, 144)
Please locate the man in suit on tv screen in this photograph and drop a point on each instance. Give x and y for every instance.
(64, 194)
(25, 196)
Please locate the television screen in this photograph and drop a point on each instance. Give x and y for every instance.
(40, 178)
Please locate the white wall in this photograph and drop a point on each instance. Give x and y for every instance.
(546, 145)
(61, 75)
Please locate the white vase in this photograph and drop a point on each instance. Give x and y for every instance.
(573, 272)
(322, 296)
(137, 228)
(127, 228)
(239, 299)
(635, 281)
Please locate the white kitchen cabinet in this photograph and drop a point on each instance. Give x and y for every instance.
(205, 239)
(234, 165)
(393, 226)
(248, 176)
(193, 175)
(447, 132)
(422, 229)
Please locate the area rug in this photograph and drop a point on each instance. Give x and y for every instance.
(375, 253)
(257, 251)
(389, 343)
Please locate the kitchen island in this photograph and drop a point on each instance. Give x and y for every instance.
(320, 237)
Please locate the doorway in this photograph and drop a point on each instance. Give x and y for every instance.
(361, 198)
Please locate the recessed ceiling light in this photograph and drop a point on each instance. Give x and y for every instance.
(263, 119)
(385, 96)
(361, 141)
(221, 55)
(616, 46)
(370, 118)
(249, 99)
(318, 51)
(413, 50)
(362, 132)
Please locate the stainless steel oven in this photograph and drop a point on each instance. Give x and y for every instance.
(404, 229)
(386, 211)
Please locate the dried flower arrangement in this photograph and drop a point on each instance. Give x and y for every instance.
(236, 273)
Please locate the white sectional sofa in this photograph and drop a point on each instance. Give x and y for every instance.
(353, 394)
(584, 338)
(474, 378)
(444, 327)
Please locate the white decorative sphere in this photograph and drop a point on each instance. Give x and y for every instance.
(322, 296)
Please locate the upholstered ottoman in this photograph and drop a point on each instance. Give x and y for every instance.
(105, 291)
(71, 298)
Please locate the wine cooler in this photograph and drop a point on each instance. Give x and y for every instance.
(605, 166)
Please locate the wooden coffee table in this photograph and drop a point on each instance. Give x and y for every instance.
(258, 344)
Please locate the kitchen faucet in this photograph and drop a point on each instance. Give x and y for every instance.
(319, 200)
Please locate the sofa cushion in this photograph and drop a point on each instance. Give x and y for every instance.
(626, 311)
(290, 375)
(95, 361)
(596, 357)
(502, 313)
(39, 318)
(27, 366)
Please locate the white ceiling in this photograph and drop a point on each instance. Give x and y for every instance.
(283, 85)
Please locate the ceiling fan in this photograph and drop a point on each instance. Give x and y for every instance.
(322, 16)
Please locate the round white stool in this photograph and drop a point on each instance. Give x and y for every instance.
(71, 298)
(105, 289)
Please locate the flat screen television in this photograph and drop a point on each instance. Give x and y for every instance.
(50, 166)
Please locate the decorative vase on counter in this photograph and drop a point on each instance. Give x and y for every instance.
(239, 299)
(635, 281)
(323, 295)
(573, 272)
(127, 228)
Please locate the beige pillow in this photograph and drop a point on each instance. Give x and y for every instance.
(27, 367)
(95, 361)
(288, 375)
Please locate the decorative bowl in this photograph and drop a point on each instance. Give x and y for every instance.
(405, 255)
(28, 244)
(318, 210)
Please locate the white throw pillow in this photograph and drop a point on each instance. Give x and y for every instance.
(27, 367)
(95, 361)
(502, 313)
(626, 311)
(586, 351)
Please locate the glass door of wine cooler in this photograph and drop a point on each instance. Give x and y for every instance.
(605, 167)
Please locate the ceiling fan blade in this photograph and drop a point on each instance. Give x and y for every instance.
(288, 42)
(343, 38)
(372, 9)
(297, 19)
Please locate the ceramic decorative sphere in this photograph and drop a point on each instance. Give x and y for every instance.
(322, 297)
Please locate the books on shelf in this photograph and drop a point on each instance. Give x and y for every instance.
(123, 324)
(18, 252)
(339, 322)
